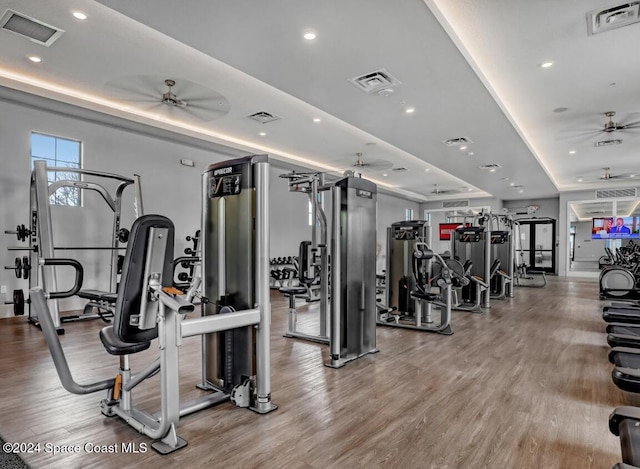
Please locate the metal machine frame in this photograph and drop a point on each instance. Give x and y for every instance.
(162, 307)
(312, 184)
(41, 242)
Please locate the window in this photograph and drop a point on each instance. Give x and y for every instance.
(310, 214)
(61, 153)
(408, 214)
(427, 216)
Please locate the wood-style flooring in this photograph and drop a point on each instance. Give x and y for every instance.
(526, 384)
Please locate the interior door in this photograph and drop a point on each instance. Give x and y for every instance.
(538, 243)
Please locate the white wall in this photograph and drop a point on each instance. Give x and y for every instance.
(168, 189)
(587, 249)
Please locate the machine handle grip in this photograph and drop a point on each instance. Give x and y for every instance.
(77, 284)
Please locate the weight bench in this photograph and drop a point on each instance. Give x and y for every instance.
(103, 301)
(147, 310)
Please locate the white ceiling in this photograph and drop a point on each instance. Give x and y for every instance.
(470, 69)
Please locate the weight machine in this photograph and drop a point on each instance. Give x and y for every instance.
(313, 258)
(411, 289)
(41, 241)
(348, 302)
(487, 244)
(235, 326)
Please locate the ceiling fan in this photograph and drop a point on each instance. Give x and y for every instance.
(175, 98)
(438, 191)
(360, 164)
(606, 175)
(610, 126)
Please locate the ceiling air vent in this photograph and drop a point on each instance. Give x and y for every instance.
(263, 117)
(602, 20)
(398, 170)
(452, 142)
(32, 29)
(375, 81)
(489, 167)
(606, 143)
(455, 203)
(616, 193)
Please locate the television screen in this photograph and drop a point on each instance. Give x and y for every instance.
(616, 228)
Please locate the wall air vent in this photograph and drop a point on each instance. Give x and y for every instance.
(263, 117)
(376, 81)
(455, 203)
(459, 141)
(602, 20)
(606, 143)
(30, 28)
(616, 193)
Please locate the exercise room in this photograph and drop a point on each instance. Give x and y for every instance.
(319, 234)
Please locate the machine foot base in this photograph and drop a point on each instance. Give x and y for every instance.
(446, 331)
(265, 408)
(163, 448)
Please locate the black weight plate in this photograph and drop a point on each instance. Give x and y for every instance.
(18, 267)
(18, 302)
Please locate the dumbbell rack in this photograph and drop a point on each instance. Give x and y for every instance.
(283, 271)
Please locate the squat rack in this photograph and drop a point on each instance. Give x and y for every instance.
(41, 231)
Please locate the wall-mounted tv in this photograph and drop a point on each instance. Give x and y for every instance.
(616, 228)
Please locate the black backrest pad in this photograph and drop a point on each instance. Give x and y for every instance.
(132, 279)
(494, 267)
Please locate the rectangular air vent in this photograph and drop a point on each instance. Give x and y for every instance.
(616, 193)
(490, 166)
(606, 143)
(263, 117)
(455, 203)
(459, 141)
(375, 81)
(602, 20)
(32, 29)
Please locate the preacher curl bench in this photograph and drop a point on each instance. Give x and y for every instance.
(145, 311)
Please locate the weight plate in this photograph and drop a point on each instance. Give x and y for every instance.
(18, 267)
(26, 267)
(18, 302)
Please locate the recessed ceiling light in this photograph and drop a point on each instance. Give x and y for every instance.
(427, 170)
(410, 110)
(512, 184)
(79, 15)
(572, 152)
(309, 35)
(469, 189)
(580, 179)
(384, 174)
(262, 134)
(463, 147)
(546, 64)
(316, 119)
(492, 170)
(632, 175)
(521, 191)
(35, 59)
(470, 153)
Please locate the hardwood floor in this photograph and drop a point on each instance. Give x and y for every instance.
(524, 385)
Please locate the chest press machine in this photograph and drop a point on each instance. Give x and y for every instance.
(237, 342)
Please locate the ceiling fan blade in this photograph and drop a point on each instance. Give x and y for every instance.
(631, 125)
(579, 136)
(201, 113)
